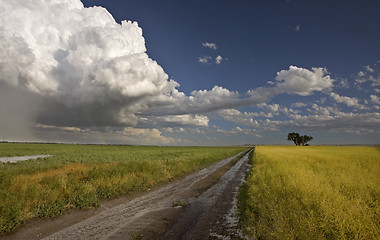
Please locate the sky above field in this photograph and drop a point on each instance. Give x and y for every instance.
(196, 72)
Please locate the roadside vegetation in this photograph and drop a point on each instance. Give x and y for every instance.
(79, 176)
(318, 192)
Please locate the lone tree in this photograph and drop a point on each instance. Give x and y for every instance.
(298, 139)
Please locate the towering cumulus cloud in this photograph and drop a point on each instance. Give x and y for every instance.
(77, 56)
(62, 48)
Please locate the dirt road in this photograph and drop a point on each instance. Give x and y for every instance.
(213, 214)
(175, 211)
(200, 206)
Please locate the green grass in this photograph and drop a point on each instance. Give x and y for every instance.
(312, 193)
(179, 203)
(78, 176)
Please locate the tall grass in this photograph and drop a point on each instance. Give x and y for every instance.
(78, 176)
(312, 193)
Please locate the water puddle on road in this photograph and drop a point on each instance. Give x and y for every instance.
(21, 158)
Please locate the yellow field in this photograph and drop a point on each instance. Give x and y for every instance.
(316, 192)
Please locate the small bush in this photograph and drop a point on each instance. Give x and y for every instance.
(179, 203)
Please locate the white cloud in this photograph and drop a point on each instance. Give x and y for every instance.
(343, 83)
(212, 100)
(299, 104)
(236, 131)
(219, 98)
(375, 79)
(145, 136)
(369, 74)
(218, 59)
(78, 58)
(345, 100)
(233, 115)
(183, 120)
(204, 59)
(361, 74)
(375, 99)
(272, 107)
(215, 95)
(207, 59)
(58, 128)
(325, 119)
(369, 69)
(276, 109)
(78, 54)
(209, 45)
(297, 28)
(302, 81)
(195, 131)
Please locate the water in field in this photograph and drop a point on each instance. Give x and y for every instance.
(21, 158)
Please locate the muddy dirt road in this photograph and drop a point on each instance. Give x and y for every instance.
(157, 216)
(200, 206)
(213, 214)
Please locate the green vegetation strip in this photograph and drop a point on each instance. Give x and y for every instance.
(312, 193)
(78, 176)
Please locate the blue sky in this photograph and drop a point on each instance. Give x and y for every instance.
(191, 72)
(258, 37)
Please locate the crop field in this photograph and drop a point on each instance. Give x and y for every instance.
(319, 192)
(79, 176)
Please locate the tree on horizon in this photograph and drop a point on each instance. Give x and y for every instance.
(298, 139)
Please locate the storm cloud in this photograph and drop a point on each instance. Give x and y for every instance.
(82, 62)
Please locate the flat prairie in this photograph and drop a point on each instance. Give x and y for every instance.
(314, 192)
(79, 176)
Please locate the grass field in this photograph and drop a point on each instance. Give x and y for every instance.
(319, 192)
(78, 176)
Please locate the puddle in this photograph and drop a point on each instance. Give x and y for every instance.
(21, 158)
